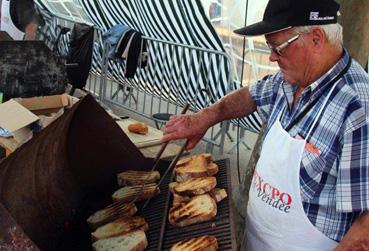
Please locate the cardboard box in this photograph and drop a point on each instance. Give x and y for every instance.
(14, 116)
(47, 105)
(17, 114)
(14, 119)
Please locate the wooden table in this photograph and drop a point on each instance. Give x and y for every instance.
(170, 151)
(148, 144)
(152, 137)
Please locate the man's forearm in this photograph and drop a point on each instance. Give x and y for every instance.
(357, 238)
(234, 105)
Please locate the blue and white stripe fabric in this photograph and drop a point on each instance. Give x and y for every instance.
(178, 21)
(334, 180)
(182, 22)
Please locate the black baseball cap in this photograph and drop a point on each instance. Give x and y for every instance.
(284, 14)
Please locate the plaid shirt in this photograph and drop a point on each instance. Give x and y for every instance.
(335, 183)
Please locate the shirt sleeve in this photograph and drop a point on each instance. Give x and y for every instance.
(352, 189)
(264, 93)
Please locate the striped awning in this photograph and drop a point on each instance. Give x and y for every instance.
(175, 21)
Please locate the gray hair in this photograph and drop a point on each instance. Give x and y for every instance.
(333, 32)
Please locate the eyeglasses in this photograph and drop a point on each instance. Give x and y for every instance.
(278, 49)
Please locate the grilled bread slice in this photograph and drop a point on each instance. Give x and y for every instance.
(118, 227)
(177, 199)
(111, 213)
(200, 165)
(128, 193)
(133, 241)
(202, 243)
(197, 167)
(219, 194)
(196, 186)
(200, 208)
(185, 161)
(132, 177)
(172, 185)
(212, 169)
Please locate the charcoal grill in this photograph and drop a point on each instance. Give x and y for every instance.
(221, 227)
(50, 186)
(161, 235)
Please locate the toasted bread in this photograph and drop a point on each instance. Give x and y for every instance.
(197, 167)
(128, 193)
(118, 227)
(184, 161)
(111, 213)
(177, 199)
(139, 128)
(172, 185)
(200, 208)
(196, 186)
(133, 241)
(212, 169)
(132, 177)
(202, 243)
(219, 194)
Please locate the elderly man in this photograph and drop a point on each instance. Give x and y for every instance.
(310, 189)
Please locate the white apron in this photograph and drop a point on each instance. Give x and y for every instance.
(276, 219)
(7, 23)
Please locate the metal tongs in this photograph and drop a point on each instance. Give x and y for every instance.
(157, 159)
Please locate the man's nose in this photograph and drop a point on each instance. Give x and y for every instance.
(273, 57)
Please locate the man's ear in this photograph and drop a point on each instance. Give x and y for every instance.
(318, 38)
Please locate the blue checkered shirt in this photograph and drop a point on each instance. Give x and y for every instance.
(335, 184)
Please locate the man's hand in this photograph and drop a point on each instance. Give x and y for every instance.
(192, 127)
(357, 238)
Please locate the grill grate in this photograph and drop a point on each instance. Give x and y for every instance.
(223, 229)
(160, 235)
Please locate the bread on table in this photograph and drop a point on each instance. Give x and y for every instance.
(111, 213)
(139, 128)
(129, 193)
(132, 177)
(133, 241)
(118, 227)
(202, 243)
(199, 209)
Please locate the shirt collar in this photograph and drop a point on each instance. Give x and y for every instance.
(319, 85)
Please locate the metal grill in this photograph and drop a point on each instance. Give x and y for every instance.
(222, 230)
(160, 235)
